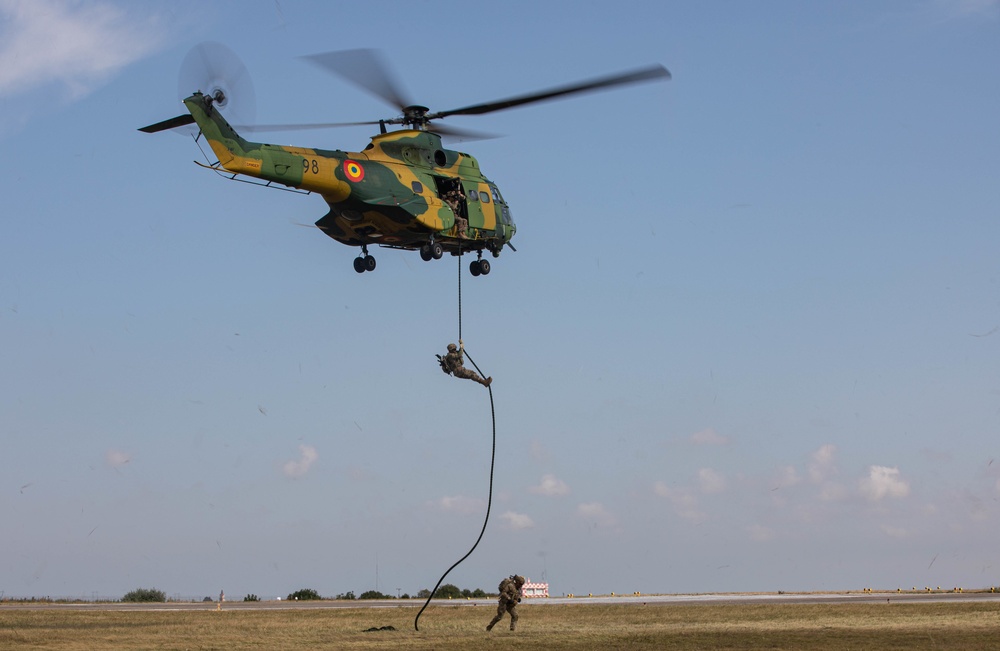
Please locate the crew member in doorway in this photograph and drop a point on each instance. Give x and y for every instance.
(452, 364)
(454, 198)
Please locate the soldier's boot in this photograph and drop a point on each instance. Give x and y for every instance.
(486, 383)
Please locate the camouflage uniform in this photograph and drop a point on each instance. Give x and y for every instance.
(452, 363)
(510, 595)
(454, 199)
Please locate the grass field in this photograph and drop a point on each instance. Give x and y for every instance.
(883, 626)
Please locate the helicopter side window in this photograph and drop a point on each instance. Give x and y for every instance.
(417, 187)
(485, 197)
(496, 195)
(473, 195)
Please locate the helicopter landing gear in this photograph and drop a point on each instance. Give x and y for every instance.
(479, 267)
(364, 262)
(431, 251)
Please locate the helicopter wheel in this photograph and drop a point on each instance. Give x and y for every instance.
(436, 250)
(359, 264)
(474, 268)
(425, 253)
(369, 261)
(484, 266)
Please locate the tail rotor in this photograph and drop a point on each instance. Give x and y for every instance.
(217, 71)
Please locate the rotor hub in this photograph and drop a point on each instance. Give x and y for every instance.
(415, 116)
(219, 97)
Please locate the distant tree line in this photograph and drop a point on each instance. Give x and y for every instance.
(447, 591)
(451, 591)
(145, 595)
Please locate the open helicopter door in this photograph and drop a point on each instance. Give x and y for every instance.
(451, 192)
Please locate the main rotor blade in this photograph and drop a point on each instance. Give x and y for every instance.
(455, 134)
(365, 69)
(299, 127)
(643, 74)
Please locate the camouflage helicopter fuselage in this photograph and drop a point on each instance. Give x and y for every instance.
(391, 194)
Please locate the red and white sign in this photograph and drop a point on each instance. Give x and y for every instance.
(529, 589)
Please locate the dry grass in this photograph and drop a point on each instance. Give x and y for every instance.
(967, 625)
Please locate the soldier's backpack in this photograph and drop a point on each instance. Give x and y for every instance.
(445, 366)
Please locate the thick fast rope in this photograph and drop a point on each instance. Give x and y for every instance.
(460, 300)
(493, 458)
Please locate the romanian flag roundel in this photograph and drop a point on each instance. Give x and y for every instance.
(353, 171)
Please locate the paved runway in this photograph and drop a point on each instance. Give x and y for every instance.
(771, 598)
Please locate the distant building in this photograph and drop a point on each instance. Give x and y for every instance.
(530, 589)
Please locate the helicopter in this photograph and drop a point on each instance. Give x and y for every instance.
(405, 190)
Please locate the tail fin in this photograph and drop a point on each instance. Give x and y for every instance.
(274, 164)
(225, 142)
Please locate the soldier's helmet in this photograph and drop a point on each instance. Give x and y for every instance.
(519, 580)
(452, 348)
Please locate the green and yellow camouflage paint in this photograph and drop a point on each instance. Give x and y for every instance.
(388, 194)
(404, 190)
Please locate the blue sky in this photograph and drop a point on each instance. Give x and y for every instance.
(748, 341)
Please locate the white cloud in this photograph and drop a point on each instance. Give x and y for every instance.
(821, 467)
(894, 532)
(357, 473)
(787, 476)
(684, 502)
(977, 509)
(710, 481)
(708, 437)
(117, 458)
(971, 7)
(517, 520)
(538, 451)
(296, 469)
(833, 492)
(760, 533)
(77, 44)
(550, 487)
(462, 505)
(596, 513)
(883, 482)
